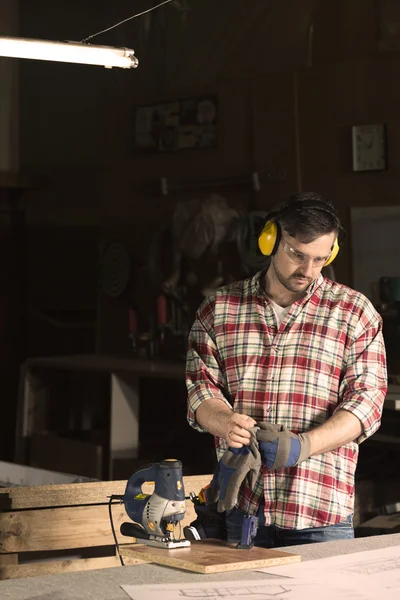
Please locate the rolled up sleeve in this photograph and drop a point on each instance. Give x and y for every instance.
(364, 386)
(204, 375)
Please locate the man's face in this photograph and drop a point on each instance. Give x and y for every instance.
(297, 265)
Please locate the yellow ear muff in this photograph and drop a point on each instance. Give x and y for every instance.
(267, 238)
(334, 253)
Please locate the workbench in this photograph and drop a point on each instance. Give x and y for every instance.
(122, 376)
(105, 584)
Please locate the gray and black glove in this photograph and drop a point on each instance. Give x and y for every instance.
(280, 447)
(235, 465)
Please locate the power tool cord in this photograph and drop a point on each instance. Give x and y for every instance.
(110, 502)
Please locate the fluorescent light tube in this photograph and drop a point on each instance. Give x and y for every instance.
(71, 52)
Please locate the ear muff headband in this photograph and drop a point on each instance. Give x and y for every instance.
(270, 236)
(334, 253)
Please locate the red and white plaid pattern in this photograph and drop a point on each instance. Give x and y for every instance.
(327, 355)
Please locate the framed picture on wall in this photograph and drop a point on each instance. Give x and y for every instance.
(178, 125)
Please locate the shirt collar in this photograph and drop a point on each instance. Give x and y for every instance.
(315, 285)
(258, 289)
(256, 282)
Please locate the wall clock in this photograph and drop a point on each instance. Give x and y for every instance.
(369, 147)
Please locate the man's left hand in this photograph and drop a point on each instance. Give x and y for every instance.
(281, 448)
(234, 467)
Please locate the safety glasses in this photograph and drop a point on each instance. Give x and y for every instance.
(300, 258)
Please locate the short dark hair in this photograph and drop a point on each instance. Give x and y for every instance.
(308, 216)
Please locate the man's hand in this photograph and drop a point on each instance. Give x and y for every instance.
(218, 418)
(281, 448)
(237, 428)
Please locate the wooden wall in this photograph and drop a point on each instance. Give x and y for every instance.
(291, 76)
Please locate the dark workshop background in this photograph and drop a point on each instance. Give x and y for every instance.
(290, 77)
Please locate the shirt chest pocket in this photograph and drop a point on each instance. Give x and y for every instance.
(324, 381)
(244, 355)
(327, 373)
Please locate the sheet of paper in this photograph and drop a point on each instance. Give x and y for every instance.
(263, 589)
(379, 567)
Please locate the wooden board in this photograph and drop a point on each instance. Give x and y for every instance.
(60, 528)
(57, 495)
(8, 559)
(78, 494)
(110, 363)
(211, 556)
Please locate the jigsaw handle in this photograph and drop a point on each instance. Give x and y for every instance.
(166, 475)
(135, 482)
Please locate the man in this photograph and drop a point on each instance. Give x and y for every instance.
(291, 348)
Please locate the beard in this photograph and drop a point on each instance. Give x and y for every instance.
(291, 283)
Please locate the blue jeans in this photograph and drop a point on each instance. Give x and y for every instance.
(271, 536)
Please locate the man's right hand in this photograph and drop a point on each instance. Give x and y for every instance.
(236, 429)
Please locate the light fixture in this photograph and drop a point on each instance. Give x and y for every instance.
(71, 52)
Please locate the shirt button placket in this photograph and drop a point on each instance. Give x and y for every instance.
(274, 377)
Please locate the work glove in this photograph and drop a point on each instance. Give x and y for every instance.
(232, 469)
(280, 448)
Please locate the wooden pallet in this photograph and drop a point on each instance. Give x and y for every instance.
(42, 523)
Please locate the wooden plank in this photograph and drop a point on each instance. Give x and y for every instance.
(211, 556)
(8, 559)
(60, 528)
(71, 494)
(64, 566)
(64, 528)
(110, 363)
(80, 494)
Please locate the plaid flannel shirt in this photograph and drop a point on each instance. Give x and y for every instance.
(327, 355)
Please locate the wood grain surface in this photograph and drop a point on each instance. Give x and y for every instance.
(79, 494)
(211, 556)
(63, 525)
